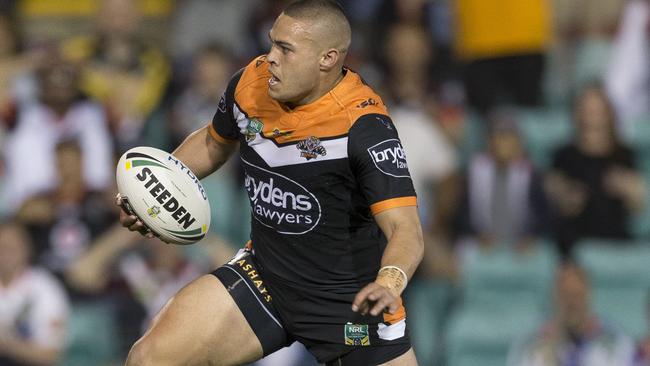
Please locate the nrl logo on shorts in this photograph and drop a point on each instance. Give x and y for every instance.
(254, 127)
(356, 335)
(311, 148)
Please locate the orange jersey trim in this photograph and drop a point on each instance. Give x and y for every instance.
(381, 206)
(399, 314)
(329, 116)
(215, 135)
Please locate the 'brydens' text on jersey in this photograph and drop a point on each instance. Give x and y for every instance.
(279, 202)
(389, 158)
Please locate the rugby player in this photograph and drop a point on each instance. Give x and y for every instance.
(335, 234)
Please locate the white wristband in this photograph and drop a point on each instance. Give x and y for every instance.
(406, 279)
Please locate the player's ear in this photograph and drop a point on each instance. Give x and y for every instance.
(329, 59)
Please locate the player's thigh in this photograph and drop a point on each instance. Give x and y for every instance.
(201, 325)
(407, 359)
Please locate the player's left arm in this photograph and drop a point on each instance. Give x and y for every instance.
(404, 251)
(379, 163)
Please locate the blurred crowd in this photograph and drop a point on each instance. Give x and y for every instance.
(527, 130)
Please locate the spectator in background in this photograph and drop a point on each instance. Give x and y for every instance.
(408, 52)
(65, 219)
(628, 74)
(16, 67)
(197, 22)
(593, 185)
(153, 273)
(65, 222)
(61, 113)
(33, 305)
(503, 203)
(431, 158)
(260, 22)
(503, 44)
(575, 336)
(435, 19)
(120, 69)
(582, 41)
(194, 107)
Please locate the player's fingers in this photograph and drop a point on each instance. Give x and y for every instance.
(392, 308)
(118, 199)
(144, 231)
(129, 220)
(381, 304)
(361, 297)
(372, 297)
(134, 227)
(363, 309)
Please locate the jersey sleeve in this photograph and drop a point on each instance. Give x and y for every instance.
(224, 125)
(379, 163)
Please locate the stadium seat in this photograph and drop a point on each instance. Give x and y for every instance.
(640, 221)
(591, 57)
(543, 131)
(230, 209)
(504, 297)
(555, 84)
(637, 134)
(427, 303)
(92, 336)
(478, 337)
(473, 139)
(620, 275)
(498, 276)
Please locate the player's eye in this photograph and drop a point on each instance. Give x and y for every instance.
(284, 50)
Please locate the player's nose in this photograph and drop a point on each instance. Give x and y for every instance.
(272, 56)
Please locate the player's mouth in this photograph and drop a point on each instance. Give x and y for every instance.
(273, 81)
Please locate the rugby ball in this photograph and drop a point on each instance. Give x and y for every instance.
(164, 194)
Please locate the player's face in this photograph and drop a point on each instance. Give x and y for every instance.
(294, 61)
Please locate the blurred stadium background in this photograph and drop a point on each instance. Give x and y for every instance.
(526, 125)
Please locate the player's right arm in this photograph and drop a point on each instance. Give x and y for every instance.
(203, 151)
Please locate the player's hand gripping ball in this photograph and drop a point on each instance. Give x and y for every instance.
(164, 194)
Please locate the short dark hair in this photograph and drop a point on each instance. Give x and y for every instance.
(310, 8)
(331, 11)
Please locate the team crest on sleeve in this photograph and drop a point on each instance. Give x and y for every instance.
(311, 148)
(389, 158)
(254, 127)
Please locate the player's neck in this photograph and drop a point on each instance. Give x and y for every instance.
(329, 82)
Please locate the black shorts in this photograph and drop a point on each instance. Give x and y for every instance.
(323, 321)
